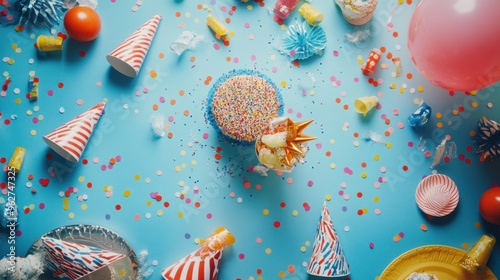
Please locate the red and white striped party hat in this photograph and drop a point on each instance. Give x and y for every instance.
(73, 260)
(327, 258)
(128, 57)
(204, 263)
(70, 139)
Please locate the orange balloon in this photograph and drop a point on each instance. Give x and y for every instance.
(489, 205)
(82, 23)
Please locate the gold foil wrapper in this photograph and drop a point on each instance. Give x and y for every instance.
(475, 260)
(16, 161)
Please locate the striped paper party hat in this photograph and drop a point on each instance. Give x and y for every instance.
(204, 263)
(74, 261)
(327, 258)
(70, 139)
(128, 57)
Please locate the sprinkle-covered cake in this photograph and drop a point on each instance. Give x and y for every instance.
(242, 103)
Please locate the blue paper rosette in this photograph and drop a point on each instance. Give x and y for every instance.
(302, 41)
(487, 139)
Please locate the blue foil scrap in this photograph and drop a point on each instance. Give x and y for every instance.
(302, 41)
(421, 116)
(39, 12)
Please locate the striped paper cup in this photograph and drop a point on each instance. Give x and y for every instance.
(73, 260)
(327, 258)
(128, 57)
(70, 139)
(437, 195)
(195, 266)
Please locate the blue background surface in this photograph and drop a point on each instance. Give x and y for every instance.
(246, 203)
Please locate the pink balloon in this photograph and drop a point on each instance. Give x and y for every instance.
(455, 44)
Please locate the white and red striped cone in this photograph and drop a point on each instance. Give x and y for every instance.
(70, 139)
(327, 258)
(73, 260)
(204, 263)
(128, 57)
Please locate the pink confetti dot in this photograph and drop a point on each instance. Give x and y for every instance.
(188, 200)
(335, 53)
(50, 92)
(162, 99)
(232, 194)
(209, 216)
(258, 240)
(356, 80)
(410, 144)
(118, 158)
(103, 167)
(372, 245)
(145, 90)
(310, 183)
(110, 166)
(274, 69)
(170, 118)
(341, 192)
(289, 111)
(306, 206)
(241, 256)
(205, 135)
(216, 47)
(319, 145)
(401, 125)
(236, 60)
(299, 115)
(35, 120)
(383, 116)
(401, 234)
(247, 25)
(137, 217)
(333, 79)
(223, 8)
(41, 205)
(253, 57)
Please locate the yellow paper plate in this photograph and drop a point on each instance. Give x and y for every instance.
(439, 260)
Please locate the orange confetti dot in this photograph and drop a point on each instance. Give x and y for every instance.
(159, 198)
(228, 20)
(337, 100)
(218, 156)
(389, 55)
(170, 135)
(409, 2)
(387, 121)
(346, 107)
(356, 135)
(112, 160)
(199, 6)
(424, 227)
(409, 75)
(186, 112)
(30, 176)
(192, 58)
(172, 101)
(155, 107)
(363, 164)
(177, 14)
(161, 55)
(387, 133)
(328, 153)
(296, 63)
(395, 34)
(197, 204)
(226, 43)
(382, 49)
(228, 58)
(181, 92)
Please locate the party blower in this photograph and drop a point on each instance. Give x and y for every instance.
(128, 57)
(204, 263)
(363, 105)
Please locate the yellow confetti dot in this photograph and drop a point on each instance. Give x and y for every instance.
(84, 206)
(137, 177)
(32, 206)
(356, 143)
(65, 200)
(376, 199)
(307, 243)
(328, 197)
(29, 113)
(376, 157)
(193, 162)
(268, 251)
(281, 274)
(159, 213)
(303, 249)
(183, 165)
(465, 246)
(178, 169)
(181, 183)
(122, 272)
(153, 74)
(71, 215)
(81, 179)
(439, 125)
(11, 61)
(283, 83)
(473, 92)
(17, 100)
(454, 112)
(295, 213)
(396, 238)
(13, 46)
(420, 88)
(363, 175)
(149, 203)
(401, 1)
(401, 90)
(332, 141)
(474, 104)
(393, 86)
(365, 210)
(265, 212)
(333, 165)
(183, 153)
(180, 214)
(33, 132)
(126, 193)
(439, 115)
(388, 145)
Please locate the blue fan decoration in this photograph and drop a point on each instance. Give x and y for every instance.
(487, 139)
(40, 12)
(302, 41)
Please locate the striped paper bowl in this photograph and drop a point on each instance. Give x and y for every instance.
(437, 195)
